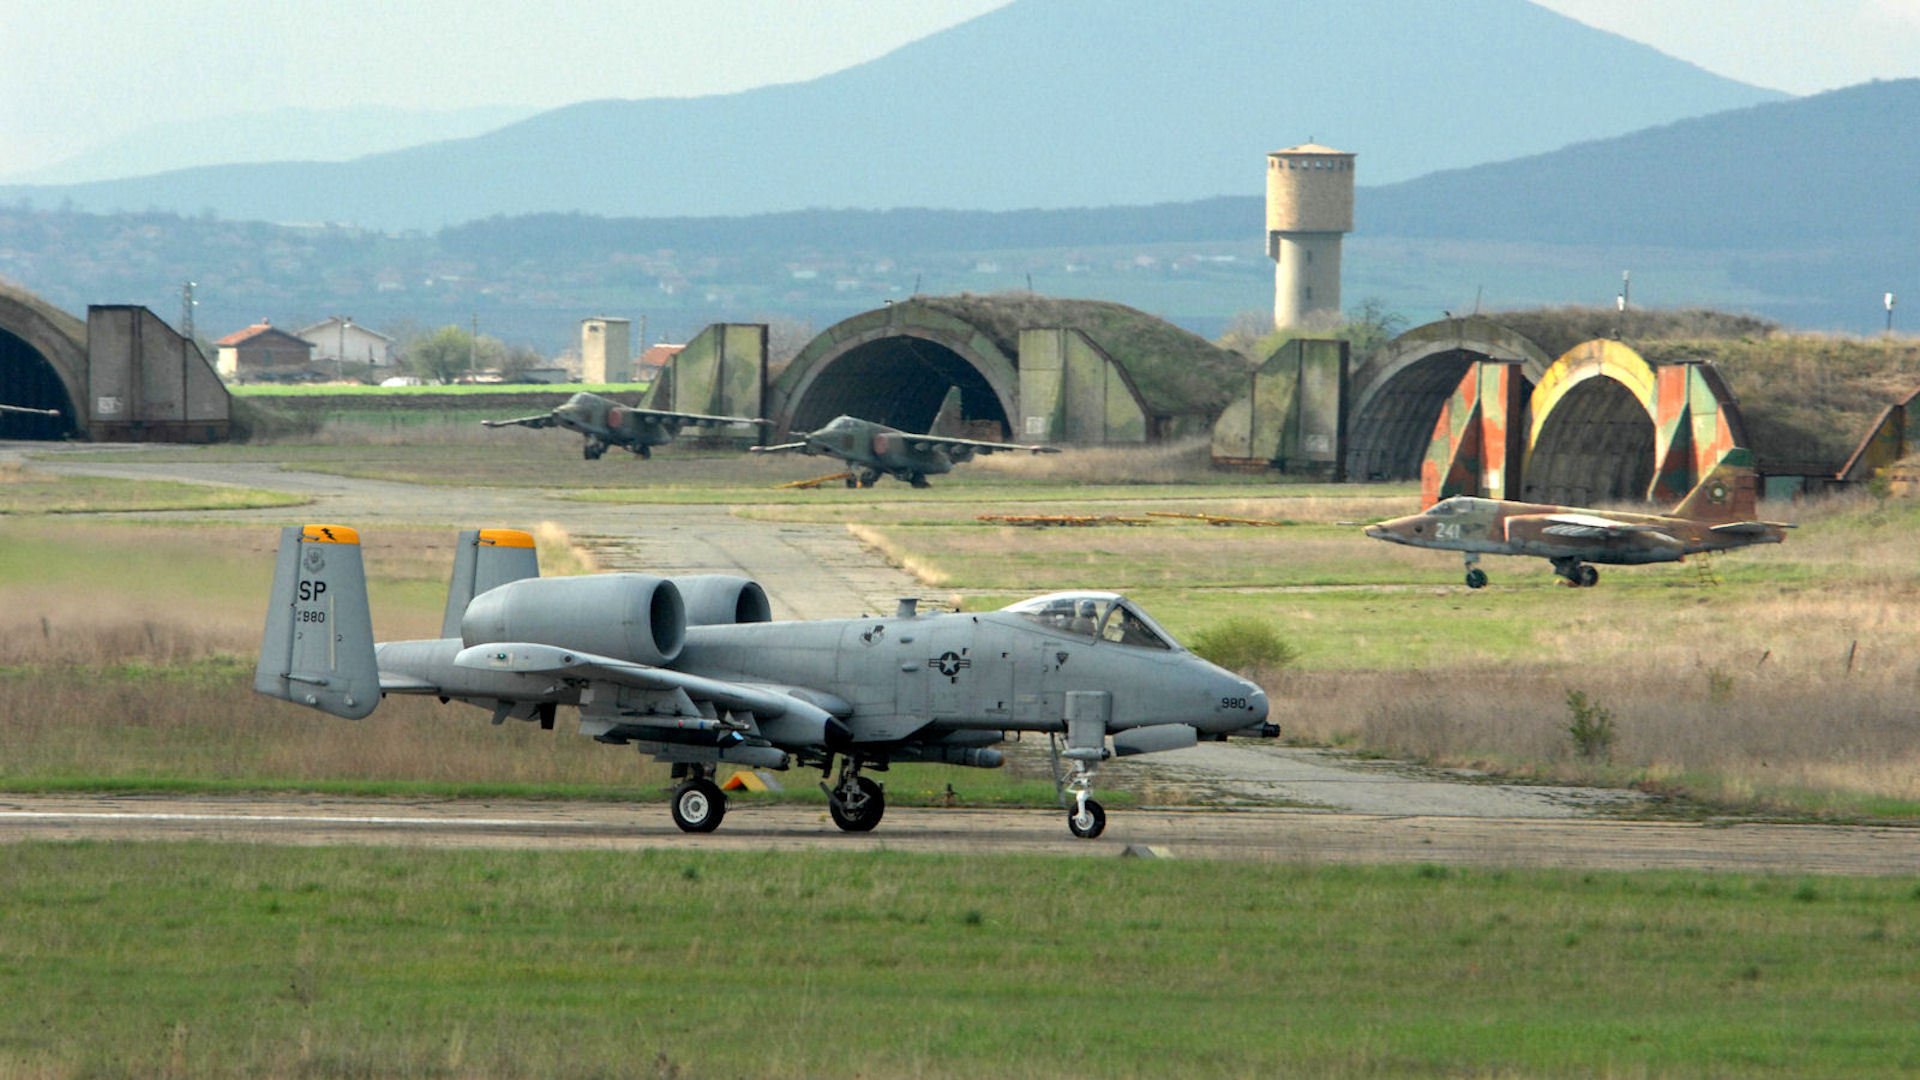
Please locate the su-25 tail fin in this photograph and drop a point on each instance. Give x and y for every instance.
(317, 649)
(484, 559)
(1730, 492)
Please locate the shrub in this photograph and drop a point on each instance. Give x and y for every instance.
(1592, 727)
(1244, 645)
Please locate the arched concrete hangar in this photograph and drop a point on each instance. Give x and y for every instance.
(43, 364)
(123, 374)
(1023, 366)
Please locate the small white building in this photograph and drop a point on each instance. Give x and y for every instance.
(341, 340)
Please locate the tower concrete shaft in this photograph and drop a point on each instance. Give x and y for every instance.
(1309, 210)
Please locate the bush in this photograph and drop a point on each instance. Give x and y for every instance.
(1244, 645)
(1592, 727)
(253, 420)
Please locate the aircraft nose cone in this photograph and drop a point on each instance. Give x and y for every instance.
(1257, 703)
(1377, 532)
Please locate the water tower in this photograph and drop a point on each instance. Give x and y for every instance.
(1309, 208)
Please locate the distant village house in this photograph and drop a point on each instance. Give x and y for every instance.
(339, 340)
(262, 352)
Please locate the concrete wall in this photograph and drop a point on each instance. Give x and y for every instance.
(1071, 391)
(1292, 416)
(721, 372)
(147, 383)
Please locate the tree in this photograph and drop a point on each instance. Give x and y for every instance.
(443, 355)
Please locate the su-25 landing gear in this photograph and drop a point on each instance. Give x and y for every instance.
(854, 801)
(861, 478)
(593, 450)
(1576, 573)
(698, 803)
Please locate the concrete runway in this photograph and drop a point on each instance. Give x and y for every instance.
(1292, 836)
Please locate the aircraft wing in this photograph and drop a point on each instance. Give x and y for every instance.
(543, 420)
(972, 446)
(696, 418)
(1591, 526)
(783, 448)
(1751, 528)
(763, 701)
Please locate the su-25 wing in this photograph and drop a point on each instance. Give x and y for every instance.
(543, 420)
(692, 671)
(958, 447)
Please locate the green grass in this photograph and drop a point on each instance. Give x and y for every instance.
(199, 959)
(27, 492)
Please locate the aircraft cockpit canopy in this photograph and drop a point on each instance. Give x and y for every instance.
(1103, 616)
(1446, 507)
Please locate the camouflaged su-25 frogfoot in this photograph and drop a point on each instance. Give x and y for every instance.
(1715, 516)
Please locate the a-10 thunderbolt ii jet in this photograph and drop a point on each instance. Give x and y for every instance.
(1716, 515)
(692, 671)
(608, 423)
(873, 450)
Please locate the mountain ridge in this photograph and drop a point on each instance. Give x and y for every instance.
(1042, 103)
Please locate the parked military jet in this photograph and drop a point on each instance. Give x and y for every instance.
(608, 423)
(1716, 515)
(691, 671)
(876, 449)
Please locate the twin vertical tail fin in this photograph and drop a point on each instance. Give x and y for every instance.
(484, 559)
(1730, 492)
(318, 646)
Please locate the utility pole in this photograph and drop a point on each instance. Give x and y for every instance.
(187, 303)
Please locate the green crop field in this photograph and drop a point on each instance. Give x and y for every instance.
(192, 960)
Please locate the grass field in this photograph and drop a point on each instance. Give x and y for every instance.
(27, 491)
(236, 960)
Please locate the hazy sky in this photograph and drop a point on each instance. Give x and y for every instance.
(78, 71)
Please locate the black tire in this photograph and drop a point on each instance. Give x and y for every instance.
(1476, 578)
(698, 806)
(1589, 577)
(866, 813)
(919, 481)
(1090, 823)
(853, 481)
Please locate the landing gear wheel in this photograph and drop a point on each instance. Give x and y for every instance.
(1089, 821)
(917, 480)
(698, 806)
(860, 809)
(1586, 577)
(867, 481)
(592, 452)
(853, 481)
(1476, 578)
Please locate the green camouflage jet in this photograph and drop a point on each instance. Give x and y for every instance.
(874, 450)
(1715, 516)
(693, 672)
(608, 423)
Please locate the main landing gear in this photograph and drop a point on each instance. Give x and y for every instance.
(698, 803)
(1086, 818)
(854, 801)
(918, 480)
(1576, 573)
(862, 478)
(593, 450)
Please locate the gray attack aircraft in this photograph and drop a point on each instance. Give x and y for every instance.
(608, 423)
(875, 450)
(1715, 516)
(693, 672)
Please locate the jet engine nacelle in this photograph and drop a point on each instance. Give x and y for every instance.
(723, 600)
(633, 617)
